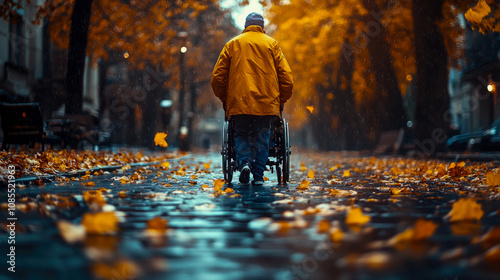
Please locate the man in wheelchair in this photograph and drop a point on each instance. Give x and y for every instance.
(253, 80)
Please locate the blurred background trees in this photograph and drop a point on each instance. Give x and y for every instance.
(361, 67)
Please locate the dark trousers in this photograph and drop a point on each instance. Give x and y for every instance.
(251, 136)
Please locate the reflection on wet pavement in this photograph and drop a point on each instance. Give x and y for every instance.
(268, 232)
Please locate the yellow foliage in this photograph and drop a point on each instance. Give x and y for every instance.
(356, 217)
(347, 173)
(310, 175)
(304, 185)
(157, 224)
(493, 177)
(336, 235)
(100, 223)
(465, 209)
(323, 226)
(120, 270)
(160, 139)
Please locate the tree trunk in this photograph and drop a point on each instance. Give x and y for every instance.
(80, 20)
(351, 137)
(432, 99)
(394, 116)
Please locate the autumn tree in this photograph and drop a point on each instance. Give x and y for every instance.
(344, 34)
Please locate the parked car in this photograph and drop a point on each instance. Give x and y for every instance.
(485, 140)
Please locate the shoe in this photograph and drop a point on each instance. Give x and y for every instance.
(257, 182)
(245, 174)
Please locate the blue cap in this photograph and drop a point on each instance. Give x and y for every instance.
(254, 19)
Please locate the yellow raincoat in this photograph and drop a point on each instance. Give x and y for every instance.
(252, 75)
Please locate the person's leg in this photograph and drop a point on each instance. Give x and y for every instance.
(260, 135)
(242, 145)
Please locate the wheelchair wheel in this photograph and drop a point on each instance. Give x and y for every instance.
(227, 167)
(286, 154)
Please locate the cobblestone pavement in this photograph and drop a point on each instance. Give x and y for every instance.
(268, 232)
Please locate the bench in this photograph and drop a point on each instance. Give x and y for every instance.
(389, 142)
(22, 123)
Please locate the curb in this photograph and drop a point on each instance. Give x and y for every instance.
(29, 180)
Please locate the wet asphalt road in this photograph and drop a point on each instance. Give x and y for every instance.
(233, 237)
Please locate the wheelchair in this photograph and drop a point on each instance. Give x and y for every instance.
(279, 150)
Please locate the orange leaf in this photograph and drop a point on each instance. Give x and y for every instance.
(336, 235)
(323, 226)
(100, 223)
(304, 185)
(218, 184)
(465, 209)
(356, 217)
(122, 269)
(310, 108)
(347, 173)
(310, 175)
(160, 139)
(493, 177)
(157, 224)
(423, 229)
(70, 232)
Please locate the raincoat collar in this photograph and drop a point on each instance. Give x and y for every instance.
(254, 28)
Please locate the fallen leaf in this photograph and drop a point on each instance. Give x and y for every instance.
(100, 223)
(423, 229)
(356, 217)
(347, 173)
(492, 236)
(218, 184)
(304, 185)
(323, 226)
(310, 108)
(89, 184)
(157, 225)
(310, 175)
(336, 235)
(120, 270)
(70, 232)
(465, 209)
(160, 139)
(493, 177)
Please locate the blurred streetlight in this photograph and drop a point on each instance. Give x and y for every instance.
(183, 138)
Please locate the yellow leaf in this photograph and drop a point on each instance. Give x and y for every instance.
(310, 108)
(304, 185)
(356, 217)
(92, 197)
(336, 235)
(465, 209)
(347, 173)
(310, 174)
(160, 139)
(394, 191)
(218, 184)
(229, 190)
(323, 226)
(423, 229)
(165, 165)
(157, 224)
(89, 184)
(493, 177)
(206, 165)
(70, 232)
(122, 269)
(100, 223)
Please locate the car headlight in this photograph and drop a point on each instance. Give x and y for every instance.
(491, 131)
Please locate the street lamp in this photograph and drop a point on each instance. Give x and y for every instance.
(182, 136)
